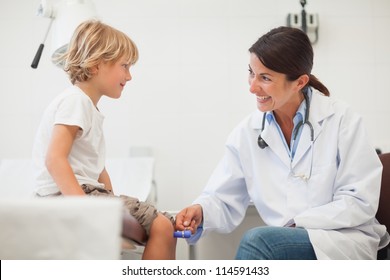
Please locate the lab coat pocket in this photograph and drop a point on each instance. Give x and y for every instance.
(321, 183)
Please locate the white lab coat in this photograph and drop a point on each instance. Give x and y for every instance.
(337, 205)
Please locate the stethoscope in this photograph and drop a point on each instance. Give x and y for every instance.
(262, 144)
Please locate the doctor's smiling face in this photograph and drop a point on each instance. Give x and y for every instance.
(274, 92)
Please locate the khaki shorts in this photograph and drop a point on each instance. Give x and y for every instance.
(144, 212)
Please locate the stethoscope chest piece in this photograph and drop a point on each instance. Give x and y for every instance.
(261, 142)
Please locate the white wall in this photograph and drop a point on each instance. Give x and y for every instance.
(189, 88)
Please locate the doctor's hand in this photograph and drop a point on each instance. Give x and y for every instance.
(189, 218)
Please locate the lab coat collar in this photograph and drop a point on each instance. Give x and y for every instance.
(256, 119)
(320, 109)
(270, 135)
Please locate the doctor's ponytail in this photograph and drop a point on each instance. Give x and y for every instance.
(315, 83)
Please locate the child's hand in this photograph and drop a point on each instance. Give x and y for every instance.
(189, 218)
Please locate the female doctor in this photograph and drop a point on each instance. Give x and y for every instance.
(303, 159)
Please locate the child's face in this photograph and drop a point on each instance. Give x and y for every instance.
(112, 78)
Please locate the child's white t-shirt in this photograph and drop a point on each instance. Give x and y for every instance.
(87, 156)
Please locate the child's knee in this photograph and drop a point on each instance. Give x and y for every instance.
(162, 225)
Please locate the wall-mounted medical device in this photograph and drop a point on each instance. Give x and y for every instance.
(65, 16)
(306, 22)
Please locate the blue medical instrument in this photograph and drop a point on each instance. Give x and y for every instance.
(182, 234)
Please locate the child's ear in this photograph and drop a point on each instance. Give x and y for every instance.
(94, 69)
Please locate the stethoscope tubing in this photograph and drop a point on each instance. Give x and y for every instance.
(262, 144)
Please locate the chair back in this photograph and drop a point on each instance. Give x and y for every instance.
(383, 214)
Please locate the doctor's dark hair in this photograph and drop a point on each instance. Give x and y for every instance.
(94, 42)
(288, 50)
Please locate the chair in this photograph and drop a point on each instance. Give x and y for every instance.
(383, 214)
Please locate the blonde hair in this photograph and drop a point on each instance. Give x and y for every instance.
(94, 42)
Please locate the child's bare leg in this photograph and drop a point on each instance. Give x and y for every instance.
(161, 244)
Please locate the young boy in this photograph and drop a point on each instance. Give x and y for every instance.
(69, 150)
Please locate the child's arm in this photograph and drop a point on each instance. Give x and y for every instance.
(104, 178)
(57, 159)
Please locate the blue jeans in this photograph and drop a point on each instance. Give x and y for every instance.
(275, 243)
